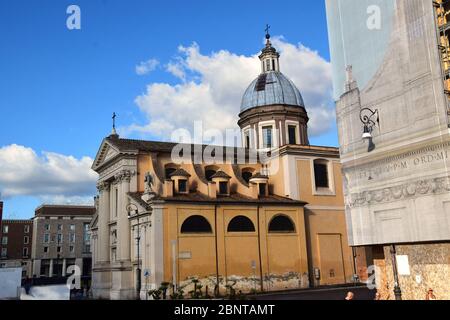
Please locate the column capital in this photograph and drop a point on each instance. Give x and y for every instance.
(125, 175)
(103, 186)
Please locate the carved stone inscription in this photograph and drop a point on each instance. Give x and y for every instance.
(412, 166)
(404, 164)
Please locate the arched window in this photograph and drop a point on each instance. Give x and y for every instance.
(196, 224)
(281, 224)
(241, 224)
(247, 174)
(210, 171)
(169, 169)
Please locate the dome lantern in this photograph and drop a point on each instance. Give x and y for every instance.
(272, 113)
(270, 58)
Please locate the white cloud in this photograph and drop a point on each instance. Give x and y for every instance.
(177, 70)
(68, 200)
(146, 67)
(52, 177)
(212, 86)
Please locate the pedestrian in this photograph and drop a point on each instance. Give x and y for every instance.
(27, 285)
(430, 295)
(350, 296)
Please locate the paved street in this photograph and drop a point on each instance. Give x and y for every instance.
(361, 293)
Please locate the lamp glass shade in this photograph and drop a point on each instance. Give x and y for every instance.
(366, 135)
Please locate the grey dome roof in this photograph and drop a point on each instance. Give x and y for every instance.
(271, 88)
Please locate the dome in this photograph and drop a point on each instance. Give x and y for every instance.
(271, 88)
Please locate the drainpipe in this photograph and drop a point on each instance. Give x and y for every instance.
(259, 252)
(354, 264)
(217, 289)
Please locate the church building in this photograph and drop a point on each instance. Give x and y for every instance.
(272, 224)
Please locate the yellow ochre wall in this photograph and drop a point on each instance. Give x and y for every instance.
(320, 240)
(326, 228)
(281, 254)
(304, 175)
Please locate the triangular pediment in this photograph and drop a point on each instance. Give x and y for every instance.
(106, 152)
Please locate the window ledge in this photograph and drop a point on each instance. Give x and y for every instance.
(324, 192)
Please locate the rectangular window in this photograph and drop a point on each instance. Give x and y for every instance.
(4, 241)
(267, 137)
(321, 175)
(59, 238)
(262, 189)
(25, 252)
(86, 236)
(58, 249)
(247, 139)
(26, 229)
(47, 227)
(26, 240)
(46, 238)
(223, 187)
(182, 186)
(292, 131)
(45, 249)
(5, 229)
(72, 249)
(72, 227)
(60, 227)
(72, 237)
(4, 252)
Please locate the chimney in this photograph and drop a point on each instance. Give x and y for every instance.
(168, 189)
(254, 191)
(212, 190)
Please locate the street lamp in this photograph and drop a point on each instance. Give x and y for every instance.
(133, 208)
(369, 119)
(397, 290)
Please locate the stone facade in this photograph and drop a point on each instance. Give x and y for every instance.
(61, 239)
(429, 268)
(396, 181)
(16, 244)
(269, 216)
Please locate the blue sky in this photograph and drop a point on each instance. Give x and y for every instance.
(59, 87)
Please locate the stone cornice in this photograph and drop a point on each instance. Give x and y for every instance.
(398, 157)
(407, 190)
